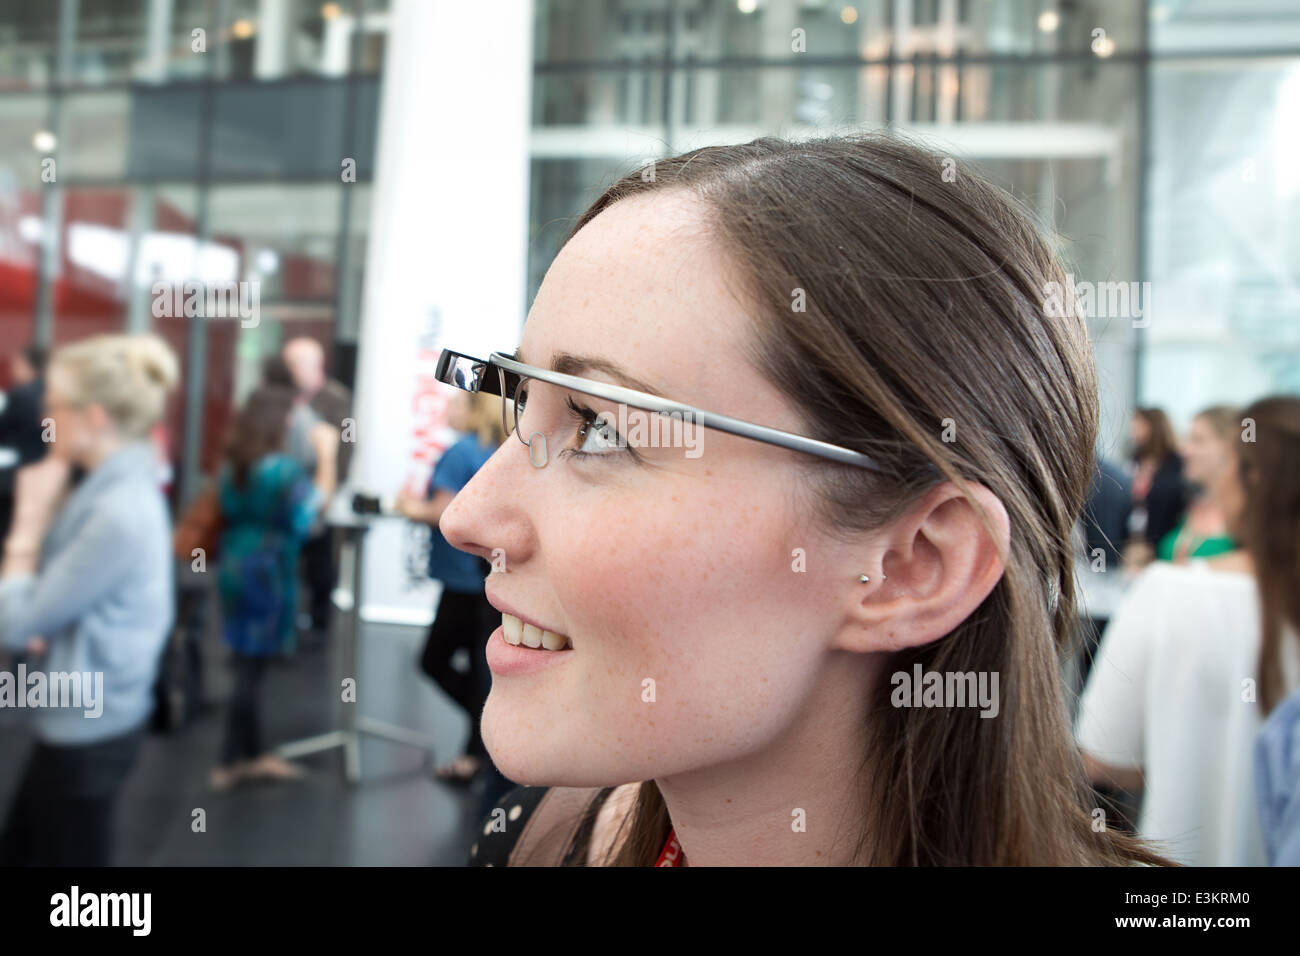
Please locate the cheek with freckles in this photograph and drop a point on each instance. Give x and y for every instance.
(694, 592)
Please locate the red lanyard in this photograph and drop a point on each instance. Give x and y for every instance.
(671, 855)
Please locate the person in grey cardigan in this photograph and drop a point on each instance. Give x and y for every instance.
(86, 593)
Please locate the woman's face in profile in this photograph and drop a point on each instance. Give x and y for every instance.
(1206, 456)
(694, 641)
(71, 428)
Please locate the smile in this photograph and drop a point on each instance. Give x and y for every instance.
(517, 632)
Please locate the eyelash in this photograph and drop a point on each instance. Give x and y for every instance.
(586, 416)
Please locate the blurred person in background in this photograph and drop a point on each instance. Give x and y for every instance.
(20, 424)
(1209, 460)
(1105, 517)
(463, 618)
(1277, 778)
(332, 403)
(1195, 657)
(299, 445)
(1159, 495)
(1272, 533)
(1102, 530)
(302, 420)
(267, 503)
(87, 587)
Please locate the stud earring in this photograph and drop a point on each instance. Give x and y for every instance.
(863, 578)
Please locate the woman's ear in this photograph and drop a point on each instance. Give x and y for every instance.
(931, 569)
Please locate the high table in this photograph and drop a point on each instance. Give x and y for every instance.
(347, 626)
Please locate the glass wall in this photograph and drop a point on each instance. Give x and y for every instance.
(1077, 108)
(147, 144)
(1024, 89)
(1224, 233)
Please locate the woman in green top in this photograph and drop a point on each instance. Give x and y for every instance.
(1209, 457)
(268, 503)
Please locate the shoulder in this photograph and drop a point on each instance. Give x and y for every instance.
(498, 833)
(535, 826)
(281, 467)
(1282, 728)
(1235, 562)
(1171, 467)
(1189, 584)
(459, 449)
(303, 416)
(332, 401)
(460, 456)
(1277, 760)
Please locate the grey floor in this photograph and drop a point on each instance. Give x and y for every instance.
(399, 815)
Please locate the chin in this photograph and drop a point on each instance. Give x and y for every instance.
(549, 763)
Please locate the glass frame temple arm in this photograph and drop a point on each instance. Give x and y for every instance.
(475, 375)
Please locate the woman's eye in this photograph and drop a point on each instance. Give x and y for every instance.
(600, 436)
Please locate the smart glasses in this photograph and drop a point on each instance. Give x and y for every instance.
(530, 397)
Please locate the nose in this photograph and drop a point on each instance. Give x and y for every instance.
(486, 517)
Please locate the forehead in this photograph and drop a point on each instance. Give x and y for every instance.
(646, 284)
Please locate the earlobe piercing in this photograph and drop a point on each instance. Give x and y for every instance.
(864, 579)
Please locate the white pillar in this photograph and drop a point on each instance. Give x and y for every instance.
(274, 33)
(448, 244)
(158, 35)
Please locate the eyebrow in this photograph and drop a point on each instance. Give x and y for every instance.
(568, 363)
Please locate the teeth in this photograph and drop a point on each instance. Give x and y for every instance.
(513, 628)
(529, 635)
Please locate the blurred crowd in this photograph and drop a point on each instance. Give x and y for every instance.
(105, 583)
(1187, 558)
(105, 573)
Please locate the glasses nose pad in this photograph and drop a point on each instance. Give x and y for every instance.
(536, 442)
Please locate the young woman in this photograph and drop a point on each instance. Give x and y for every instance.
(268, 503)
(1209, 464)
(1197, 655)
(733, 618)
(86, 588)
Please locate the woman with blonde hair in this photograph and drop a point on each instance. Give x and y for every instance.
(463, 618)
(86, 588)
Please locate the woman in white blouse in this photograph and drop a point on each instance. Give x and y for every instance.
(1196, 656)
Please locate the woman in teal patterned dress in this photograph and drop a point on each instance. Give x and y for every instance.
(268, 503)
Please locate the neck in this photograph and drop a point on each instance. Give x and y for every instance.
(105, 448)
(795, 802)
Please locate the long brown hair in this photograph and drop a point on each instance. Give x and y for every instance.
(259, 428)
(1270, 465)
(924, 341)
